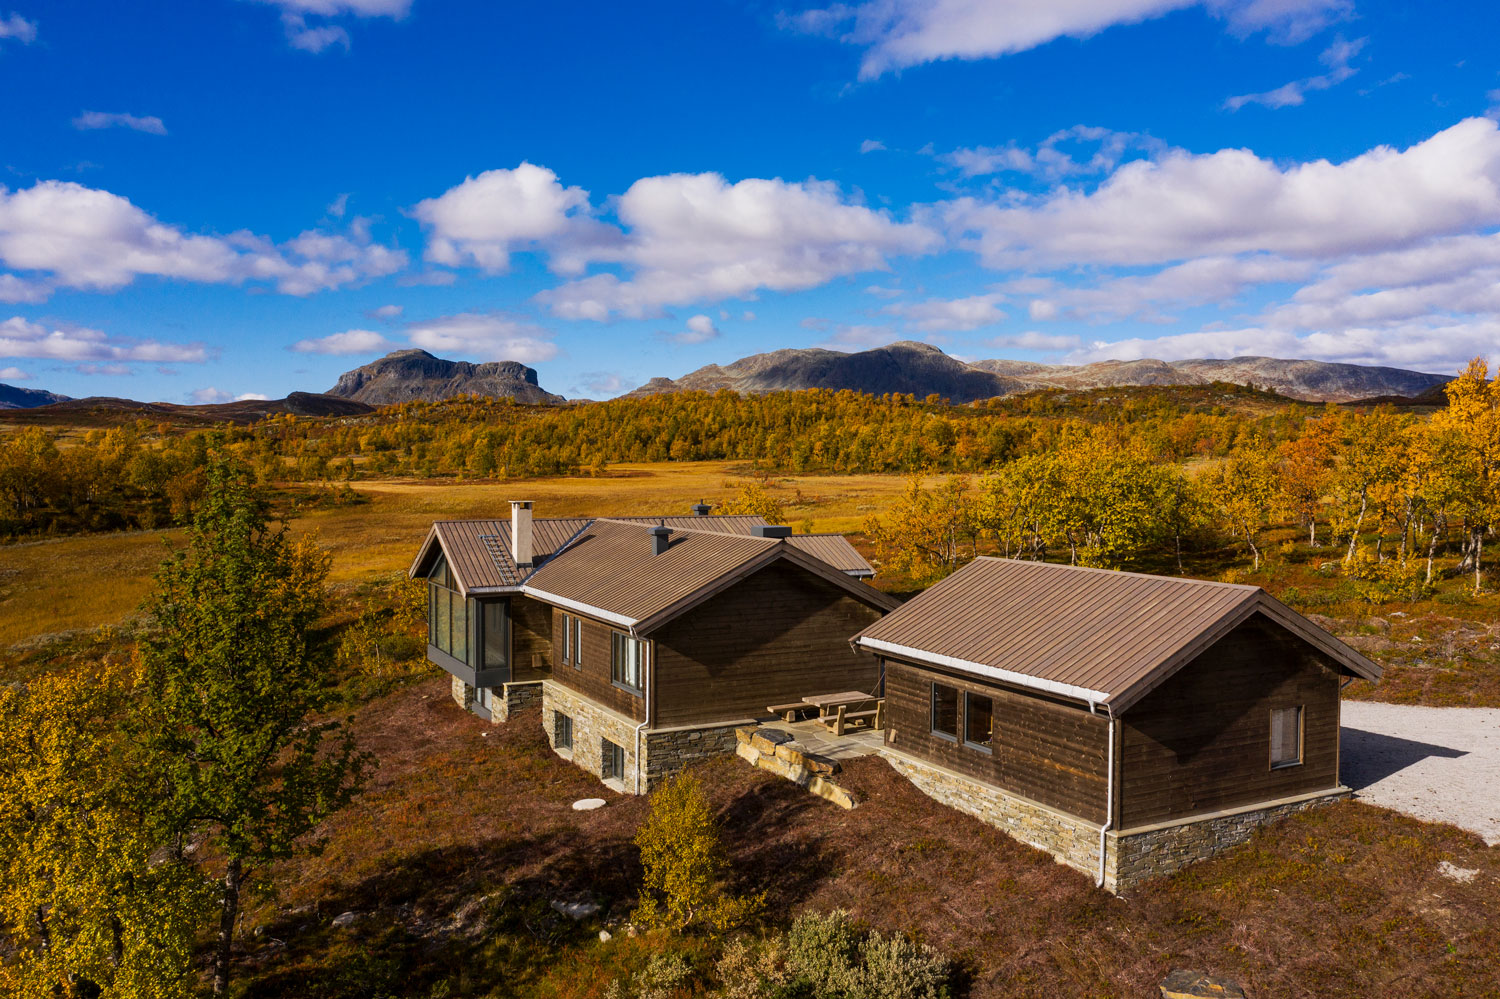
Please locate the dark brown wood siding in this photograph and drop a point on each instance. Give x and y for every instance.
(771, 638)
(1202, 740)
(592, 678)
(1050, 752)
(530, 639)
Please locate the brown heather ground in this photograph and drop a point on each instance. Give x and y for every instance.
(466, 835)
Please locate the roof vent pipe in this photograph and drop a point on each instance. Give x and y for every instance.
(520, 531)
(701, 509)
(660, 539)
(771, 531)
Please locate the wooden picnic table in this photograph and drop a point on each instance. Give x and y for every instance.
(832, 702)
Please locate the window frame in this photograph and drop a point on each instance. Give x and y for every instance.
(561, 723)
(577, 640)
(567, 638)
(932, 713)
(979, 747)
(1300, 733)
(611, 761)
(619, 641)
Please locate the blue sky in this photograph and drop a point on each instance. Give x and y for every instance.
(226, 197)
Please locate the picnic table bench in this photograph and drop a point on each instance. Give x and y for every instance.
(833, 709)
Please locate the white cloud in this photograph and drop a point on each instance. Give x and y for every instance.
(212, 396)
(871, 146)
(386, 312)
(313, 38)
(696, 237)
(15, 290)
(489, 337)
(1231, 202)
(1207, 280)
(960, 314)
(1336, 57)
(14, 374)
(597, 384)
(1033, 340)
(316, 37)
(23, 338)
(17, 27)
(700, 329)
(900, 33)
(854, 337)
(107, 370)
(488, 217)
(1080, 150)
(345, 343)
(100, 119)
(83, 237)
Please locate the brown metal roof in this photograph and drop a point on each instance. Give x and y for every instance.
(834, 549)
(1093, 634)
(610, 571)
(476, 555)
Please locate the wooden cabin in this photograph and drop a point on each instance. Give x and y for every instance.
(1128, 724)
(646, 640)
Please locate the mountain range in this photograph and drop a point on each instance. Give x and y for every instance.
(922, 369)
(908, 367)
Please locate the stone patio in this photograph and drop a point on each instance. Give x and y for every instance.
(816, 737)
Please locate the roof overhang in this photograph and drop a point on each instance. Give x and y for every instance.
(421, 565)
(1091, 697)
(577, 605)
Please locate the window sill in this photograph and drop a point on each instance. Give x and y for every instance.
(944, 736)
(1286, 766)
(986, 750)
(633, 691)
(566, 752)
(615, 784)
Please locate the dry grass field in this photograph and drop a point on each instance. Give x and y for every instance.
(79, 583)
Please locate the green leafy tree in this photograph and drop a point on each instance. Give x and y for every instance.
(234, 683)
(686, 870)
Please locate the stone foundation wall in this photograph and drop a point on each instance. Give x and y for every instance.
(463, 694)
(1069, 839)
(778, 752)
(1138, 855)
(514, 697)
(592, 724)
(668, 751)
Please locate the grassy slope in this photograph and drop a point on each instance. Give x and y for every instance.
(453, 857)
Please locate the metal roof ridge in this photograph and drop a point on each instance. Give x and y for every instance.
(1097, 570)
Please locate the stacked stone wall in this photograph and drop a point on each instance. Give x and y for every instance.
(512, 698)
(776, 751)
(1069, 839)
(463, 694)
(1136, 856)
(592, 724)
(668, 751)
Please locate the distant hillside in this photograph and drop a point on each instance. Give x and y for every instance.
(111, 410)
(918, 368)
(15, 397)
(409, 375)
(922, 369)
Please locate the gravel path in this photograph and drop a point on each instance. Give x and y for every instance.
(1437, 764)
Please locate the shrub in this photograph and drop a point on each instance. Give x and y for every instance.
(686, 870)
(1379, 580)
(824, 956)
(666, 974)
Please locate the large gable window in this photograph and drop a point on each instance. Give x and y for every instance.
(626, 658)
(447, 613)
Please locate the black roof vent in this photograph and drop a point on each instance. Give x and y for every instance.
(771, 531)
(701, 509)
(661, 538)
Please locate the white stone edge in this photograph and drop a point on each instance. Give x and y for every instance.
(993, 672)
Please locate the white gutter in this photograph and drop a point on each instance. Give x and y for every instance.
(1109, 794)
(994, 672)
(582, 608)
(650, 669)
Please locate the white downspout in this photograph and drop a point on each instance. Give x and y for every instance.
(1109, 793)
(647, 653)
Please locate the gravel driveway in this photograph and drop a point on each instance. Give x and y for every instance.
(1437, 764)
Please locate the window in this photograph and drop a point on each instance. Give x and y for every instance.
(572, 640)
(626, 655)
(483, 697)
(613, 761)
(1286, 737)
(562, 731)
(944, 711)
(979, 721)
(496, 635)
(447, 613)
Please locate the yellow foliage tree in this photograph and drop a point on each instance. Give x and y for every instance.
(1242, 489)
(927, 533)
(686, 870)
(89, 903)
(754, 499)
(1470, 430)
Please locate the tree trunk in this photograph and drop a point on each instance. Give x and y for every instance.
(1359, 520)
(1431, 549)
(228, 914)
(1478, 550)
(1312, 532)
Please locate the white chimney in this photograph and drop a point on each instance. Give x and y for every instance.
(520, 531)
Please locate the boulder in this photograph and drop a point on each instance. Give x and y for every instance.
(767, 739)
(1184, 984)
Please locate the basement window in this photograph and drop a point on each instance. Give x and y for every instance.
(979, 722)
(562, 731)
(1286, 737)
(945, 711)
(612, 760)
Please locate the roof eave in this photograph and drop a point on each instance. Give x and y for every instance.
(1068, 690)
(567, 603)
